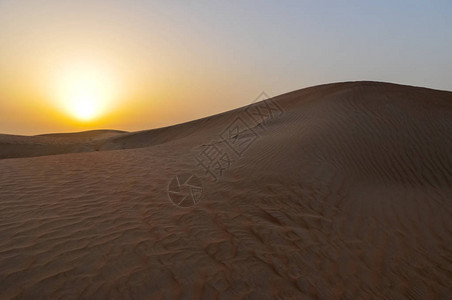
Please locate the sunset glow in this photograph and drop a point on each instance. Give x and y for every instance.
(70, 66)
(84, 91)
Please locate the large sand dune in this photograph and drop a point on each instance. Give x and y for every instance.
(335, 191)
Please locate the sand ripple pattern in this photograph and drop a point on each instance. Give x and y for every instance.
(347, 196)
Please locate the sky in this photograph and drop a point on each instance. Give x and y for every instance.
(135, 65)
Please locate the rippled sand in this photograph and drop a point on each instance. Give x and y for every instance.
(344, 192)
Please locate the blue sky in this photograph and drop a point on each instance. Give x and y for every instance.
(292, 44)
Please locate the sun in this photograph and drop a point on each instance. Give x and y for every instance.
(86, 97)
(84, 108)
(85, 91)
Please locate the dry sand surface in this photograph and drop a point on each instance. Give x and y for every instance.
(343, 191)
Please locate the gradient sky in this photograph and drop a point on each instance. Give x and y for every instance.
(173, 61)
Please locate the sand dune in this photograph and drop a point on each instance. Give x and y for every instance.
(15, 146)
(335, 191)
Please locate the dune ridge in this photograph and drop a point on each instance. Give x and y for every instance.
(345, 194)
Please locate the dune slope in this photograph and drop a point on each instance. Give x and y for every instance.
(335, 191)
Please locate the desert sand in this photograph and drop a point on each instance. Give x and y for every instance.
(339, 191)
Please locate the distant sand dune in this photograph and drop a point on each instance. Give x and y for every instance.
(346, 193)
